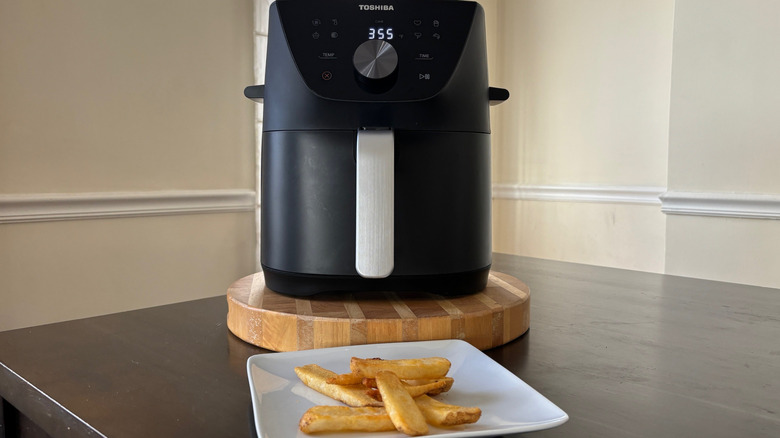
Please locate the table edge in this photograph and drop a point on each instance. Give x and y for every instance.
(52, 417)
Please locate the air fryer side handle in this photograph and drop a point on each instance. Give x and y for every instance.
(255, 92)
(496, 95)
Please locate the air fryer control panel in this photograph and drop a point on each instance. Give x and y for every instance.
(394, 51)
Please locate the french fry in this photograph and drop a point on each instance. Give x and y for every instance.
(400, 406)
(442, 414)
(431, 387)
(374, 393)
(424, 368)
(315, 377)
(370, 382)
(351, 378)
(415, 388)
(346, 379)
(345, 419)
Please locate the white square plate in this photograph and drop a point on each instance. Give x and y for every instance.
(508, 404)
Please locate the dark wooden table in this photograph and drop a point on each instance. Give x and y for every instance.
(624, 353)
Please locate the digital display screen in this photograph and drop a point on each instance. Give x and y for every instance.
(380, 33)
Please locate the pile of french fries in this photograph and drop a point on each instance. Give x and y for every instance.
(384, 395)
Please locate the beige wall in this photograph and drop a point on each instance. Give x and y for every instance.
(620, 235)
(128, 99)
(116, 95)
(724, 137)
(71, 269)
(631, 96)
(589, 85)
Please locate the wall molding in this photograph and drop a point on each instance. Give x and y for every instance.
(580, 193)
(16, 208)
(736, 205)
(42, 207)
(719, 204)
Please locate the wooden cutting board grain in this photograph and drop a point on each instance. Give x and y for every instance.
(487, 319)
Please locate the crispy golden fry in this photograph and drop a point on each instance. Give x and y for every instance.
(346, 379)
(345, 419)
(424, 368)
(432, 387)
(315, 377)
(370, 382)
(351, 378)
(374, 393)
(415, 388)
(442, 414)
(400, 406)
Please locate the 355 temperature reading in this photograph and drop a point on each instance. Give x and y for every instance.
(380, 33)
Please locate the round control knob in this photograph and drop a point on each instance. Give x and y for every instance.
(375, 59)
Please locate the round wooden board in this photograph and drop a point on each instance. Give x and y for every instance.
(492, 317)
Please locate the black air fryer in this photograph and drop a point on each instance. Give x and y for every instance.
(376, 147)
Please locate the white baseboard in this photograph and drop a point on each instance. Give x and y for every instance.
(69, 206)
(580, 193)
(737, 205)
